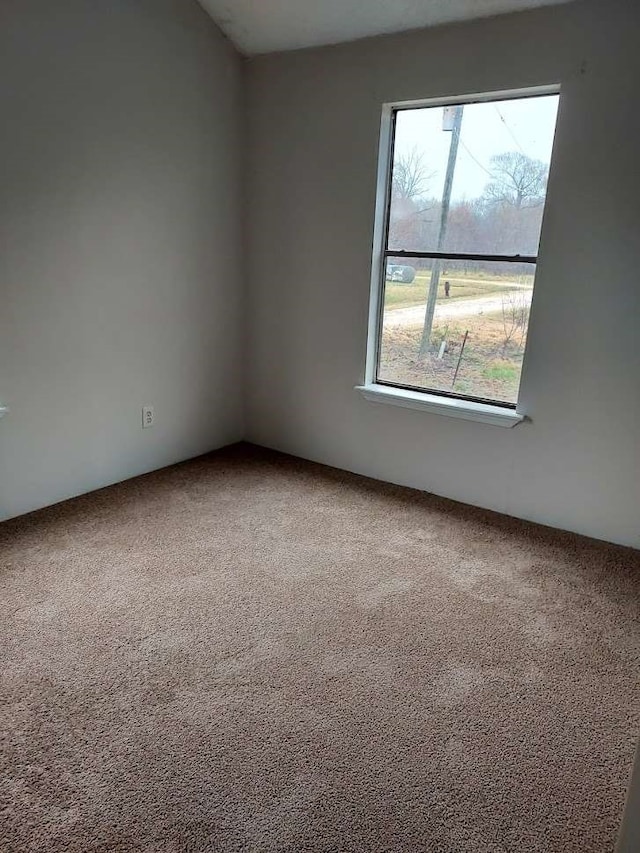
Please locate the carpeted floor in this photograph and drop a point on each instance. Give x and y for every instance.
(252, 653)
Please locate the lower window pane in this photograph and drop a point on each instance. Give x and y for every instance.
(473, 344)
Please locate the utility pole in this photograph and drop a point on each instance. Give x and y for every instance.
(425, 343)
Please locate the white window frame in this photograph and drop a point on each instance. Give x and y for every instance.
(487, 413)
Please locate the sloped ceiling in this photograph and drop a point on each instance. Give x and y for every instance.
(265, 26)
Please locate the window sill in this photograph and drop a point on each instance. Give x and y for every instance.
(449, 406)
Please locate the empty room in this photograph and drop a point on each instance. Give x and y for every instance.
(319, 406)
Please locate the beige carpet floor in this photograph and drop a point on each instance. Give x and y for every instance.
(252, 653)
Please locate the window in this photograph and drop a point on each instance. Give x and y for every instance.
(462, 193)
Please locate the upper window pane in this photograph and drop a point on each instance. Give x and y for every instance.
(471, 178)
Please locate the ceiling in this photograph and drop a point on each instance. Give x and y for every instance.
(264, 26)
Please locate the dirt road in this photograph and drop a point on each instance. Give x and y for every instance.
(414, 316)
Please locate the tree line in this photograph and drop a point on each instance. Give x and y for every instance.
(504, 219)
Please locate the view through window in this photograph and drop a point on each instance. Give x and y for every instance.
(467, 191)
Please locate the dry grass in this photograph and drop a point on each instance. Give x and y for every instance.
(487, 369)
(462, 287)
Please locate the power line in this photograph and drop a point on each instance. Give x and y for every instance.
(475, 160)
(509, 131)
(491, 174)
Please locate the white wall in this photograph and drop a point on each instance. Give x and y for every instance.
(120, 279)
(313, 131)
(121, 270)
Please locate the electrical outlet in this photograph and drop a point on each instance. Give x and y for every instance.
(148, 417)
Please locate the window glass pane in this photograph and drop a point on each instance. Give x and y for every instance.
(478, 333)
(472, 178)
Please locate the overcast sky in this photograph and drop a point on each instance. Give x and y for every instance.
(525, 124)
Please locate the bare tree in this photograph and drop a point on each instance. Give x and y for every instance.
(410, 175)
(518, 180)
(515, 318)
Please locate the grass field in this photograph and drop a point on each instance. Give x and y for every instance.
(462, 287)
(488, 368)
